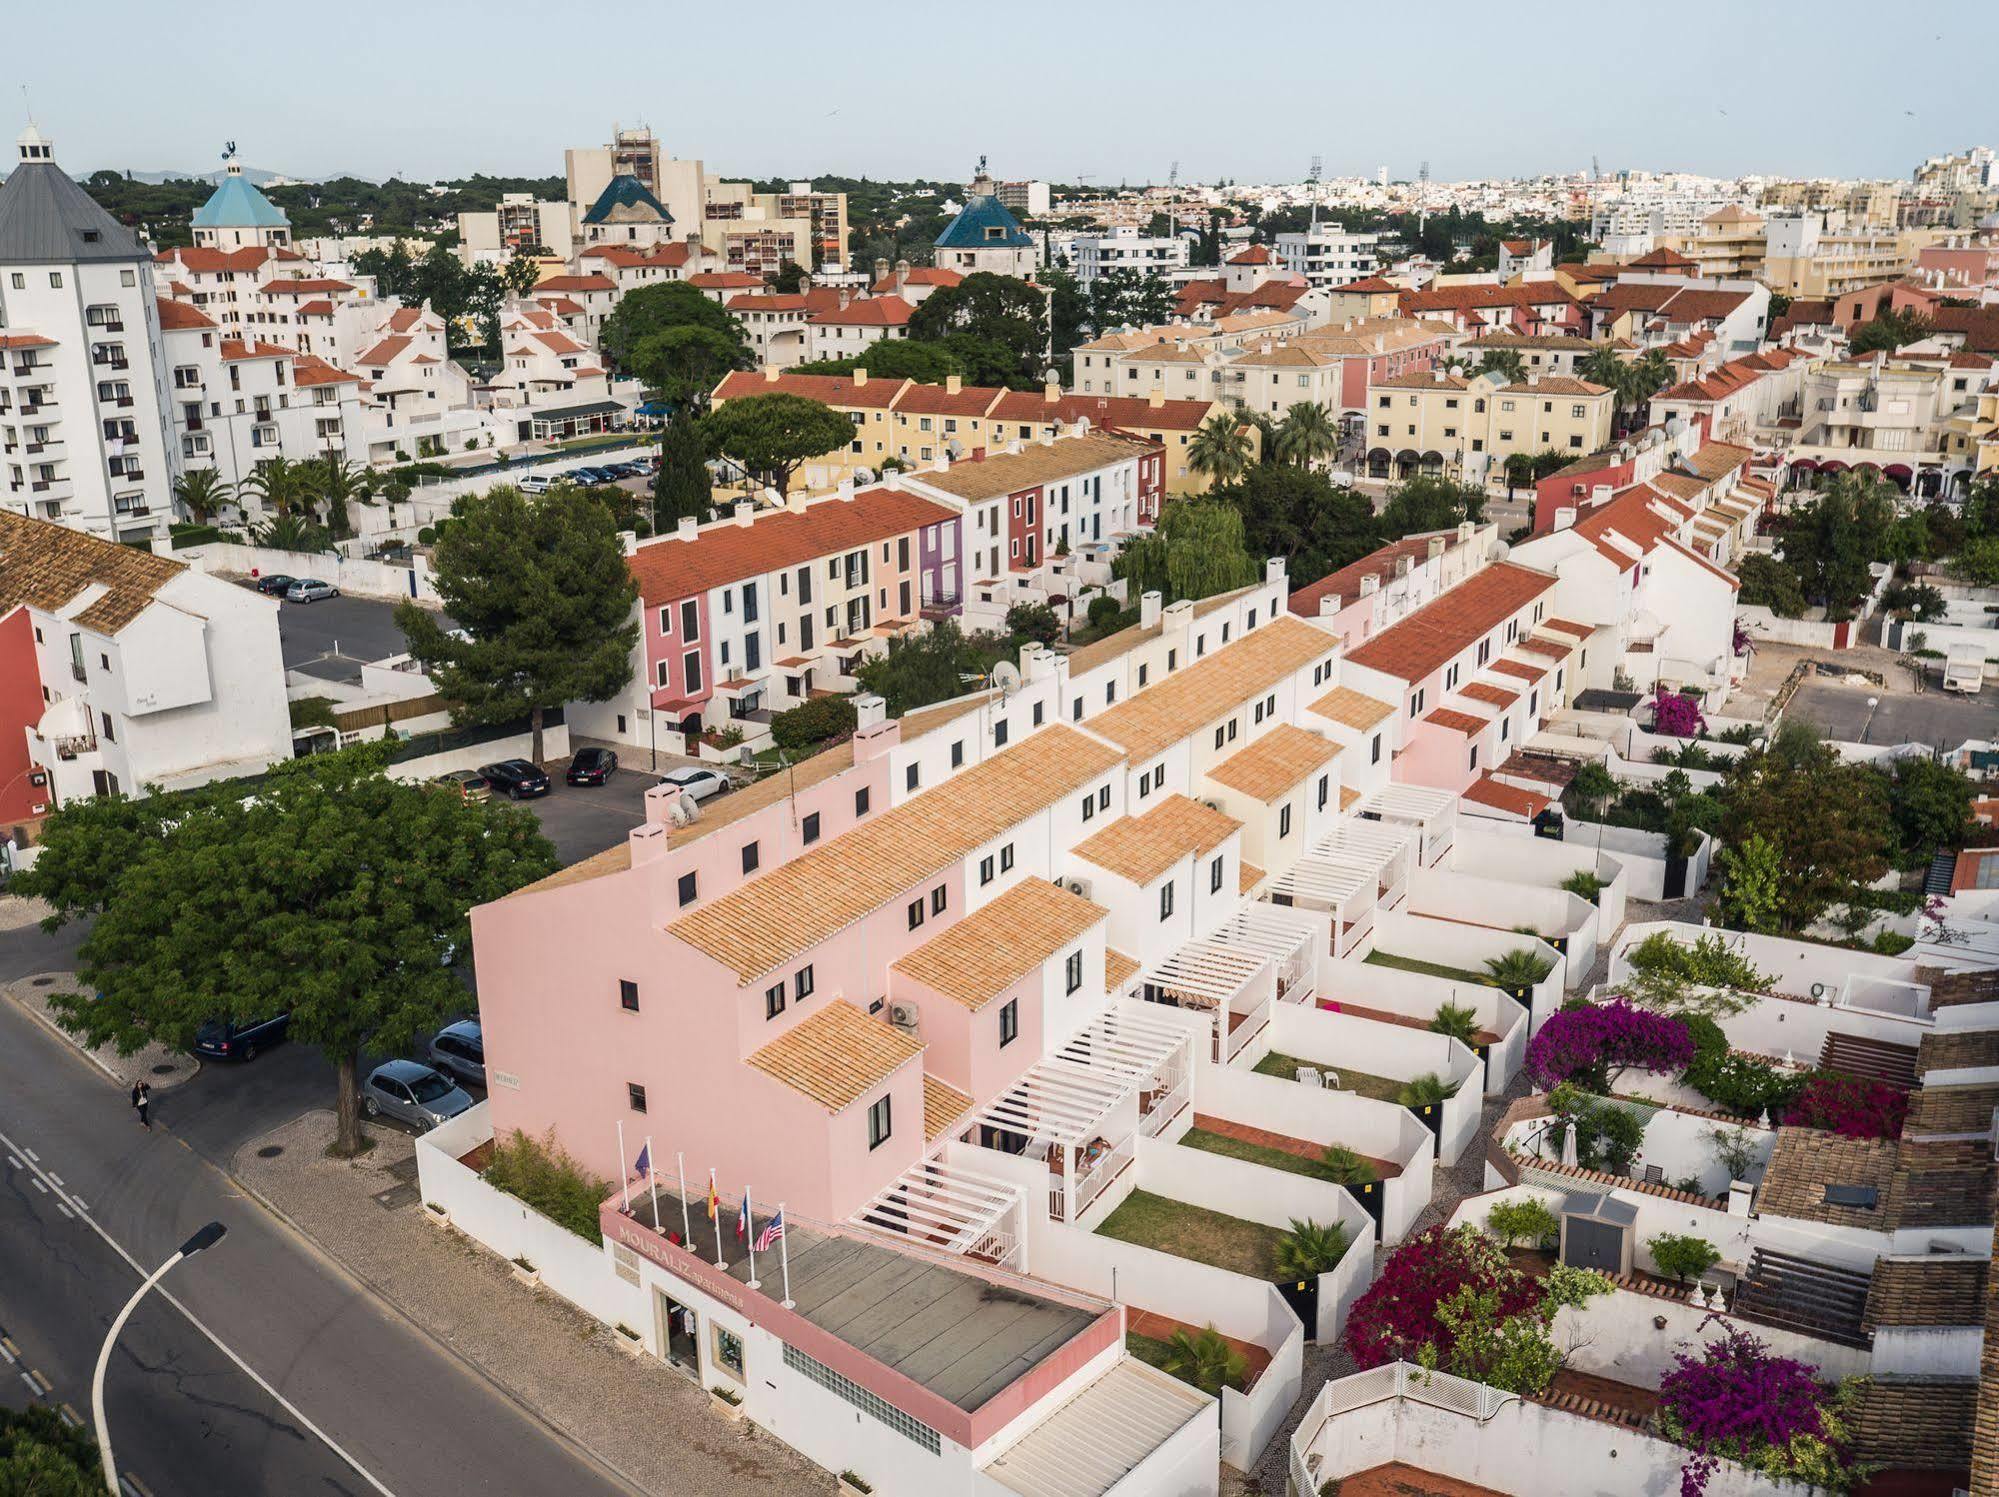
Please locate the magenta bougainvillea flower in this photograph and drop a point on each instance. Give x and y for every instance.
(1850, 1106)
(1590, 1041)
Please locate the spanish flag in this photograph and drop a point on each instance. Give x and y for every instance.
(714, 1200)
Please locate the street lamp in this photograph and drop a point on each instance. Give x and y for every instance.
(207, 1237)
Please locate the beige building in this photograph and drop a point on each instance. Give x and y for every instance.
(1792, 253)
(1467, 426)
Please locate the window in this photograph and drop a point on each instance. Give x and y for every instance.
(1037, 714)
(636, 1096)
(809, 829)
(1374, 750)
(1166, 902)
(1072, 972)
(1215, 876)
(1076, 709)
(861, 801)
(773, 1000)
(985, 870)
(1006, 858)
(1142, 673)
(628, 995)
(728, 1350)
(1010, 1021)
(690, 620)
(109, 735)
(688, 888)
(999, 734)
(938, 897)
(958, 753)
(1220, 733)
(1104, 798)
(690, 672)
(915, 913)
(1110, 692)
(801, 984)
(1089, 807)
(1284, 822)
(878, 1123)
(1325, 790)
(912, 777)
(751, 857)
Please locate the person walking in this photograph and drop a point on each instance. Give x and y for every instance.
(142, 1098)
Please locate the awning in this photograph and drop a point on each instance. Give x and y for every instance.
(576, 412)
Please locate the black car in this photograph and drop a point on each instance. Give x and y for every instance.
(519, 778)
(275, 584)
(592, 766)
(226, 1040)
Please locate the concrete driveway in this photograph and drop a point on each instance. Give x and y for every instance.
(1935, 718)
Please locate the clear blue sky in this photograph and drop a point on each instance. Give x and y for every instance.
(435, 88)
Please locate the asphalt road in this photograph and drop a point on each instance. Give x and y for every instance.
(582, 820)
(183, 1416)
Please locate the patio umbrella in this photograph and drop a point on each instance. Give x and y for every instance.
(1569, 1146)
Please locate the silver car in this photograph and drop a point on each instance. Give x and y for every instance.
(413, 1094)
(310, 590)
(459, 1051)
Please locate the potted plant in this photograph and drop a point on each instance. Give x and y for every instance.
(727, 1402)
(527, 1273)
(436, 1215)
(853, 1485)
(630, 1340)
(1518, 972)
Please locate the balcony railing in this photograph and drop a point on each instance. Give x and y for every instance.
(1245, 1027)
(77, 746)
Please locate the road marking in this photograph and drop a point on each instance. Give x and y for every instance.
(34, 1388)
(39, 1186)
(79, 1202)
(69, 1416)
(36, 1380)
(55, 1179)
(214, 1340)
(14, 1163)
(65, 1211)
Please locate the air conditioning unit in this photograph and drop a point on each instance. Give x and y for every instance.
(1212, 805)
(903, 1016)
(1080, 887)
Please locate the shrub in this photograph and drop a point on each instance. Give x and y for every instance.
(1591, 1043)
(1676, 715)
(1584, 884)
(1033, 621)
(541, 1173)
(1851, 1106)
(1738, 1402)
(427, 536)
(1309, 1249)
(1608, 1137)
(1343, 1166)
(1518, 969)
(1682, 1256)
(1739, 1084)
(1527, 1221)
(1458, 1020)
(811, 723)
(1103, 611)
(1206, 1360)
(1734, 1150)
(1665, 973)
(1426, 1090)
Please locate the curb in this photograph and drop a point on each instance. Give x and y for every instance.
(70, 1042)
(471, 1364)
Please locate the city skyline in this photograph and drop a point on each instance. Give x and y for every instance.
(1468, 114)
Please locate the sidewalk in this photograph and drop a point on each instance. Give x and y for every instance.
(156, 1064)
(651, 1426)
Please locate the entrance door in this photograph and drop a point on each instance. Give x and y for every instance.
(1303, 1298)
(679, 1333)
(1596, 1245)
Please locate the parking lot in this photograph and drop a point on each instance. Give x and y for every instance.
(358, 628)
(583, 820)
(1931, 717)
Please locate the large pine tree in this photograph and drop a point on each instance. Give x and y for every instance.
(681, 488)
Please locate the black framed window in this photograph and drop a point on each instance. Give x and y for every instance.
(628, 995)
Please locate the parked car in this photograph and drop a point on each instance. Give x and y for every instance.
(226, 1040)
(592, 766)
(275, 584)
(696, 784)
(310, 590)
(536, 483)
(412, 1093)
(460, 1051)
(470, 784)
(587, 475)
(519, 778)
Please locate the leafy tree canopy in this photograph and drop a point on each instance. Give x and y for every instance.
(895, 359)
(683, 363)
(1427, 502)
(774, 435)
(648, 310)
(1195, 551)
(997, 324)
(1303, 516)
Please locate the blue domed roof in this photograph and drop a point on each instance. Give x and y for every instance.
(984, 224)
(235, 204)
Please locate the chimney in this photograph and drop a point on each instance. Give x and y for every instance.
(1402, 564)
(804, 283)
(1465, 529)
(881, 271)
(892, 479)
(1565, 517)
(659, 801)
(1155, 398)
(860, 377)
(846, 488)
(1433, 548)
(1176, 618)
(901, 275)
(1599, 492)
(1273, 569)
(943, 460)
(1148, 609)
(628, 542)
(744, 510)
(846, 295)
(1533, 379)
(869, 710)
(1051, 392)
(875, 732)
(1048, 436)
(1438, 375)
(1329, 603)
(1370, 584)
(688, 527)
(953, 383)
(795, 503)
(772, 374)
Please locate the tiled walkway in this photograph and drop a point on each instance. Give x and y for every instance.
(1383, 1016)
(1398, 1480)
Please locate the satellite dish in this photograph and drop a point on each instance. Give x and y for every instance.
(1006, 676)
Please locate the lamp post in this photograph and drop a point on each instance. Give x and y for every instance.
(207, 1237)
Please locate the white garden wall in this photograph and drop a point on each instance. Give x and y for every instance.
(1500, 905)
(1330, 1040)
(1416, 995)
(351, 574)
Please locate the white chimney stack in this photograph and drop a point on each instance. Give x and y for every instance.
(1149, 608)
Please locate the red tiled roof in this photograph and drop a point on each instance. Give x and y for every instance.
(315, 309)
(235, 350)
(405, 318)
(937, 400)
(1124, 412)
(309, 370)
(177, 316)
(213, 261)
(562, 306)
(305, 286)
(725, 280)
(1256, 254)
(1462, 722)
(1734, 583)
(828, 389)
(1451, 624)
(1486, 791)
(384, 351)
(919, 275)
(1371, 285)
(36, 340)
(1521, 669)
(574, 283)
(1347, 580)
(1470, 298)
(720, 554)
(558, 343)
(1219, 301)
(659, 254)
(1581, 631)
(1492, 696)
(818, 299)
(871, 311)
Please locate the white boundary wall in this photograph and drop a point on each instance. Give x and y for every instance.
(1468, 948)
(1330, 1040)
(351, 574)
(1499, 905)
(1416, 995)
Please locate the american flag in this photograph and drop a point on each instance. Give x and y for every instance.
(773, 1229)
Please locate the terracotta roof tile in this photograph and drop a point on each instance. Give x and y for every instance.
(1379, 564)
(943, 1105)
(1933, 1290)
(1275, 764)
(1142, 848)
(1462, 722)
(1034, 465)
(840, 390)
(1353, 709)
(1452, 623)
(981, 956)
(48, 566)
(175, 316)
(837, 1056)
(1501, 796)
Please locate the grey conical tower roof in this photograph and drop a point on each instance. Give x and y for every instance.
(46, 219)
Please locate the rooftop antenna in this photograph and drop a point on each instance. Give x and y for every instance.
(1312, 181)
(1422, 199)
(1006, 678)
(1173, 203)
(28, 104)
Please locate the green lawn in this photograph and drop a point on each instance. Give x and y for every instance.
(1285, 1068)
(1249, 1153)
(1148, 1349)
(1430, 969)
(1195, 1233)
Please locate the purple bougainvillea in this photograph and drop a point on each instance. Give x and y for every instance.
(1590, 1041)
(1850, 1106)
(1676, 716)
(1397, 1317)
(1735, 1402)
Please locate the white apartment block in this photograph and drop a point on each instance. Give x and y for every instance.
(83, 403)
(1327, 255)
(1124, 248)
(518, 224)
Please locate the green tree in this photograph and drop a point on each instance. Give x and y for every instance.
(773, 436)
(997, 324)
(1219, 448)
(1830, 540)
(1458, 1020)
(292, 533)
(1307, 435)
(202, 493)
(681, 489)
(41, 1456)
(282, 486)
(334, 894)
(543, 601)
(1195, 551)
(1206, 1360)
(1124, 297)
(790, 278)
(895, 359)
(1529, 1221)
(648, 310)
(1036, 622)
(923, 668)
(1771, 584)
(1592, 785)
(1977, 561)
(1827, 820)
(1890, 330)
(1930, 803)
(1301, 515)
(1503, 363)
(338, 484)
(1427, 502)
(520, 275)
(1681, 1255)
(1068, 311)
(1309, 1249)
(681, 365)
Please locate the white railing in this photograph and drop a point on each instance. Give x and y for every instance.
(1091, 1184)
(1351, 932)
(1393, 894)
(1251, 1025)
(1165, 1110)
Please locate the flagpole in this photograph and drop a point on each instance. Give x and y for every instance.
(750, 1238)
(686, 1221)
(784, 1254)
(624, 1170)
(652, 1183)
(715, 1213)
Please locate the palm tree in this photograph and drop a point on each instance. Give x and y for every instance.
(1344, 1166)
(1426, 1090)
(290, 533)
(337, 484)
(1652, 372)
(282, 485)
(202, 493)
(1602, 366)
(1307, 434)
(1506, 363)
(1206, 1360)
(1517, 971)
(1309, 1249)
(1458, 1020)
(1219, 448)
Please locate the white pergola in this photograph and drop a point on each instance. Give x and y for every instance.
(1386, 849)
(1291, 938)
(1218, 979)
(951, 1208)
(1067, 1113)
(1341, 890)
(1148, 1048)
(1432, 812)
